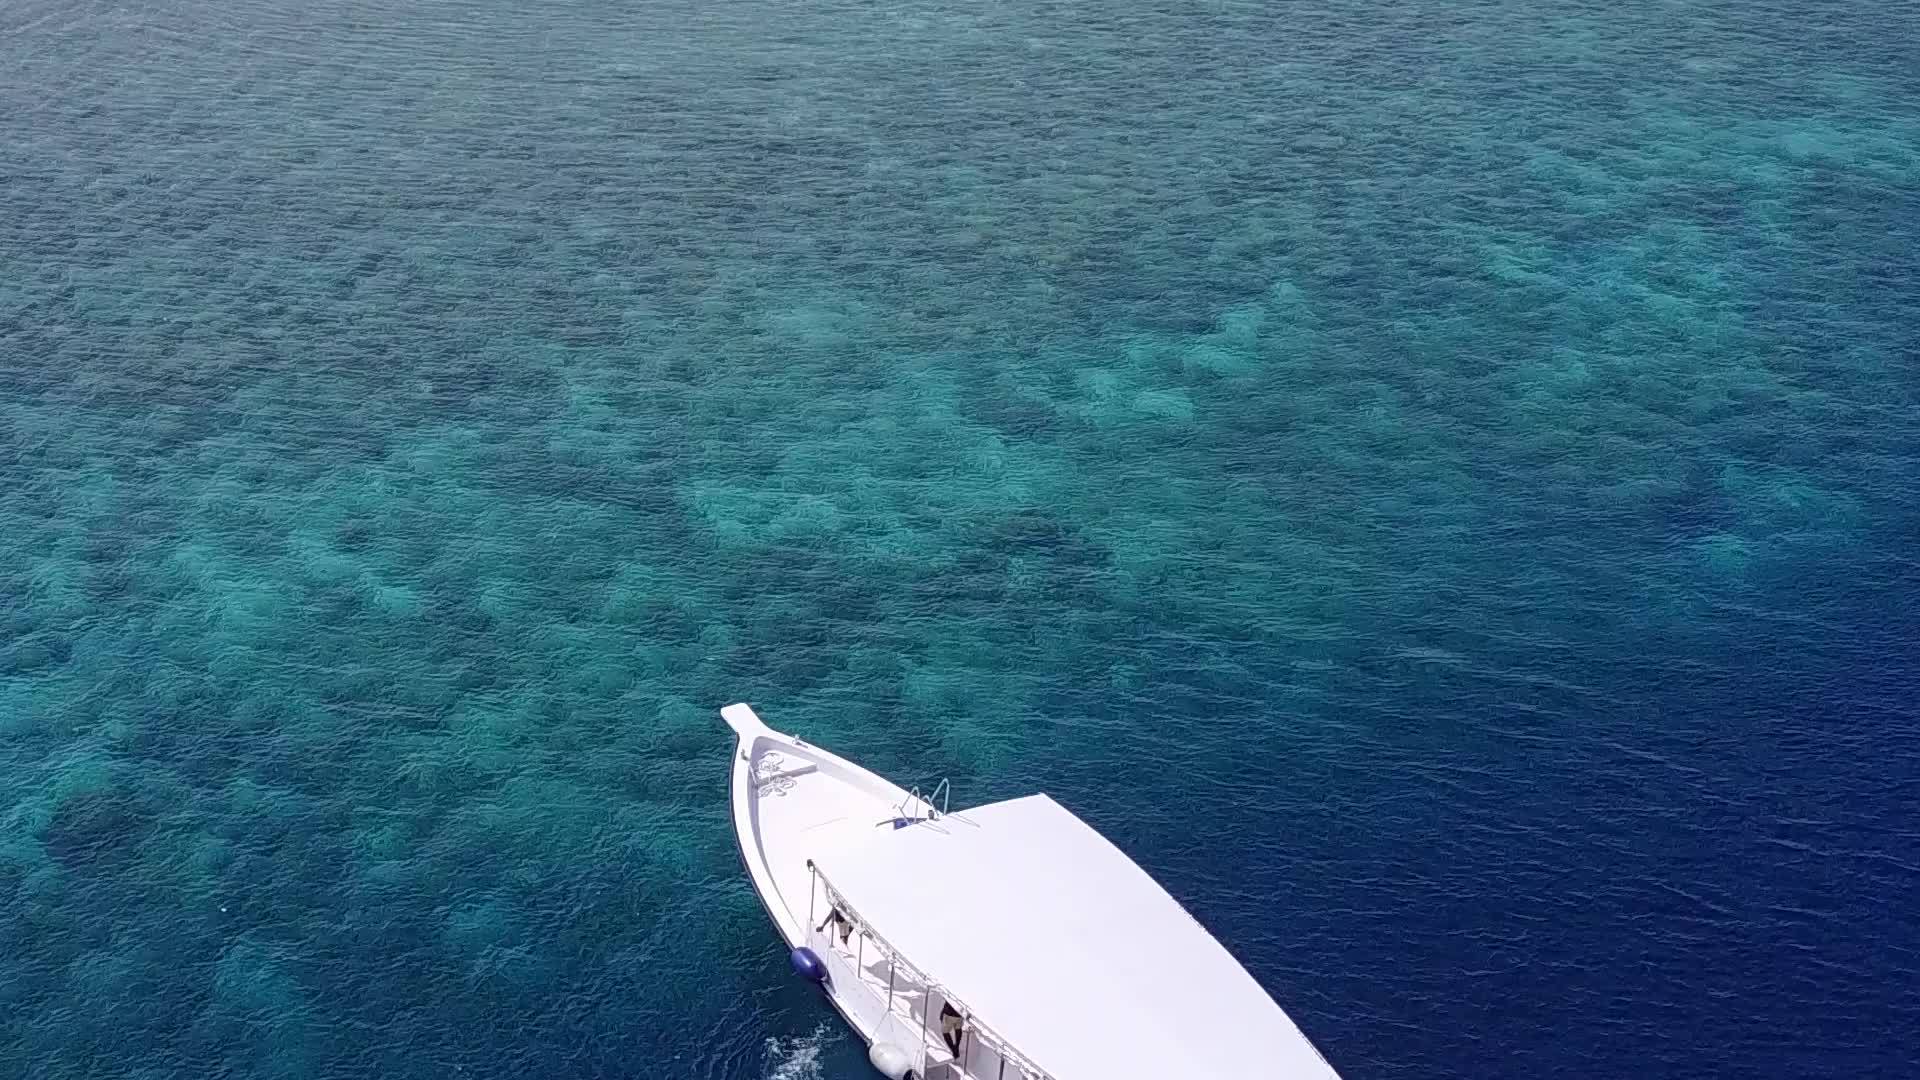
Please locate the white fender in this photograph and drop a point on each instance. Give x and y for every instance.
(892, 1062)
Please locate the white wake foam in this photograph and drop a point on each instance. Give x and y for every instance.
(797, 1057)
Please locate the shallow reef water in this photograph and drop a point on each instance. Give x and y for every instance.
(1436, 482)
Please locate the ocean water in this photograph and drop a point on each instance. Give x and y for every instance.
(1437, 482)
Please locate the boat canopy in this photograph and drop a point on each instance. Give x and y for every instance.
(1048, 936)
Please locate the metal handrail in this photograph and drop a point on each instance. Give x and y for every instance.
(943, 791)
(981, 1030)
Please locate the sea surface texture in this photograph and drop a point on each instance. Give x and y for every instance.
(1437, 482)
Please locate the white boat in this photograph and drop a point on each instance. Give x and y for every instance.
(1006, 941)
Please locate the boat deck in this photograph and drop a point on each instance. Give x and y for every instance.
(903, 1004)
(817, 813)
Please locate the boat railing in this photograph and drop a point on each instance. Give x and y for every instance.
(898, 965)
(943, 791)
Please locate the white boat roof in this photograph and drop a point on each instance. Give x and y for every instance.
(1059, 944)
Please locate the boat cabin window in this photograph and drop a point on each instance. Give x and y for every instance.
(952, 1028)
(838, 921)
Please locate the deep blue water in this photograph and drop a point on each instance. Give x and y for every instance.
(1438, 482)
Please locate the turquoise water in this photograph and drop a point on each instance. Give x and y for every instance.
(1436, 482)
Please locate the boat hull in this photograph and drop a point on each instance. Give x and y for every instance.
(793, 802)
(989, 904)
